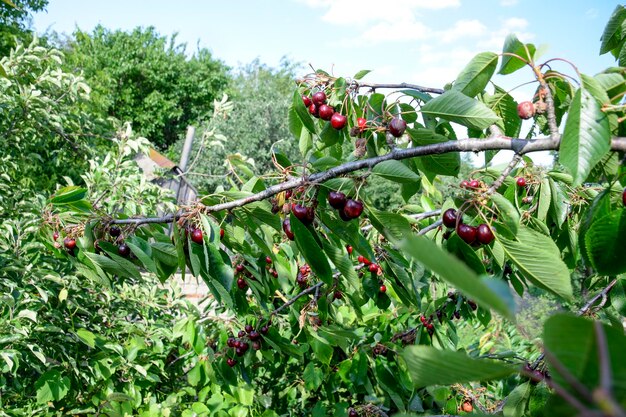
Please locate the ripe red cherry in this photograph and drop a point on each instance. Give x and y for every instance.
(464, 184)
(474, 184)
(231, 362)
(197, 236)
(337, 295)
(239, 267)
(287, 229)
(314, 110)
(397, 126)
(337, 199)
(349, 249)
(307, 101)
(268, 260)
(326, 112)
(383, 289)
(624, 197)
(525, 110)
(303, 213)
(248, 328)
(254, 335)
(484, 234)
(241, 283)
(361, 123)
(264, 330)
(449, 218)
(338, 121)
(69, 243)
(521, 182)
(373, 267)
(55, 236)
(353, 209)
(115, 231)
(319, 98)
(230, 342)
(241, 333)
(467, 233)
(221, 233)
(123, 250)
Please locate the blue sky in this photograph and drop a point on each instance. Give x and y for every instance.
(425, 42)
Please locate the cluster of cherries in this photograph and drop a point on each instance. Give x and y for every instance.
(373, 267)
(302, 278)
(115, 232)
(319, 108)
(481, 234)
(241, 344)
(347, 208)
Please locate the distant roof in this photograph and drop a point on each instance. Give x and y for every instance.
(161, 160)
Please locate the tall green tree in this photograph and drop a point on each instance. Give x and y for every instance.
(147, 79)
(258, 124)
(14, 21)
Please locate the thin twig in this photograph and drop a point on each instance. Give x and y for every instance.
(401, 85)
(430, 227)
(505, 173)
(297, 296)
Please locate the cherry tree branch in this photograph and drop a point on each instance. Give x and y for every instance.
(519, 146)
(401, 85)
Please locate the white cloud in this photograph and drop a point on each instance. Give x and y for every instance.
(403, 30)
(463, 29)
(508, 3)
(359, 12)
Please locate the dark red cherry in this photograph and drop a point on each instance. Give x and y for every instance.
(484, 234)
(314, 110)
(197, 236)
(319, 98)
(521, 182)
(466, 232)
(326, 112)
(69, 243)
(337, 199)
(241, 283)
(307, 101)
(123, 250)
(115, 231)
(353, 208)
(338, 121)
(231, 362)
(287, 229)
(449, 218)
(305, 214)
(397, 127)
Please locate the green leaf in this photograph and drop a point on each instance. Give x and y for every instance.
(510, 63)
(391, 225)
(586, 137)
(313, 377)
(516, 401)
(86, 337)
(361, 74)
(539, 260)
(604, 242)
(612, 31)
(475, 76)
(51, 386)
(165, 252)
(339, 258)
(302, 112)
(572, 340)
(308, 244)
(430, 366)
(508, 213)
(142, 250)
(445, 164)
(395, 171)
(66, 195)
(503, 104)
(112, 266)
(457, 107)
(455, 272)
